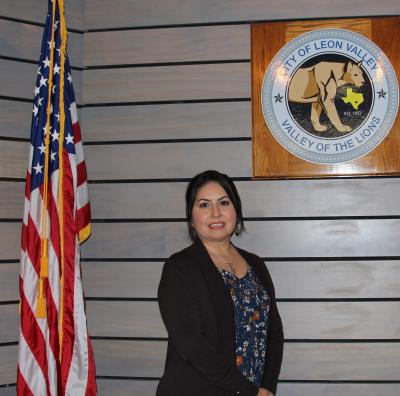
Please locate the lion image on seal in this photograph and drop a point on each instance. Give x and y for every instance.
(318, 85)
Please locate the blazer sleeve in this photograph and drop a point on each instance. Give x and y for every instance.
(180, 311)
(275, 343)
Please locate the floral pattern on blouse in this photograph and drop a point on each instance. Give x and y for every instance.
(251, 304)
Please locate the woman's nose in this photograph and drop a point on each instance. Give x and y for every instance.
(215, 211)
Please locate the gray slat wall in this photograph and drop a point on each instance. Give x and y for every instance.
(166, 94)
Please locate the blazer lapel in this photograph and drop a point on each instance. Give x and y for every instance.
(220, 297)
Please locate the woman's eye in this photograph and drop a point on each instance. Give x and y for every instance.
(224, 203)
(203, 205)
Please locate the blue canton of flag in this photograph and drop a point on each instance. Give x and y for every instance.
(39, 118)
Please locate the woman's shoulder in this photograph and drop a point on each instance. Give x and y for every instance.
(183, 260)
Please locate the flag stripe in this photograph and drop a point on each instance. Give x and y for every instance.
(33, 336)
(33, 242)
(22, 386)
(68, 275)
(83, 216)
(77, 132)
(82, 176)
(91, 384)
(82, 196)
(77, 380)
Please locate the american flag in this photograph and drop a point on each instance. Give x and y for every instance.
(55, 353)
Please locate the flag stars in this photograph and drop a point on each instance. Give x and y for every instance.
(39, 72)
(69, 78)
(37, 91)
(53, 90)
(43, 81)
(46, 62)
(42, 148)
(35, 110)
(38, 168)
(56, 69)
(40, 100)
(57, 116)
(51, 44)
(56, 24)
(69, 139)
(53, 156)
(55, 135)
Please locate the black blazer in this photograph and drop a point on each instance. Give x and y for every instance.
(197, 310)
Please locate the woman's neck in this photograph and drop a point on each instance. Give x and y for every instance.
(221, 248)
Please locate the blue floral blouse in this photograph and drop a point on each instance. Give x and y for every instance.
(251, 304)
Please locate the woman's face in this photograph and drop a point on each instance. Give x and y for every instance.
(213, 215)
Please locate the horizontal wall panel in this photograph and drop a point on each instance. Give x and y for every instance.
(314, 238)
(119, 387)
(124, 319)
(9, 323)
(304, 279)
(116, 279)
(301, 320)
(36, 11)
(283, 198)
(8, 364)
(317, 238)
(168, 121)
(8, 391)
(10, 241)
(21, 40)
(12, 197)
(167, 160)
(307, 361)
(129, 358)
(18, 79)
(336, 279)
(187, 82)
(9, 281)
(341, 362)
(101, 13)
(14, 158)
(167, 45)
(15, 118)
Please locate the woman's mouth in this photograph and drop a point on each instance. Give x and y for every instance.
(216, 226)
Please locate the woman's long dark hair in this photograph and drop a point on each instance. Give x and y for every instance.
(226, 183)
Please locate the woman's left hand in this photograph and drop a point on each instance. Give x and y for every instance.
(264, 392)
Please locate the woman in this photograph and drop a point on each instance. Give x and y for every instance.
(218, 304)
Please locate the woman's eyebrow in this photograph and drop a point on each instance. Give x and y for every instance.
(208, 200)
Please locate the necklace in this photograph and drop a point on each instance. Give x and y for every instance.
(231, 268)
(226, 263)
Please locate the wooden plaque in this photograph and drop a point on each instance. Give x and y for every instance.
(330, 116)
